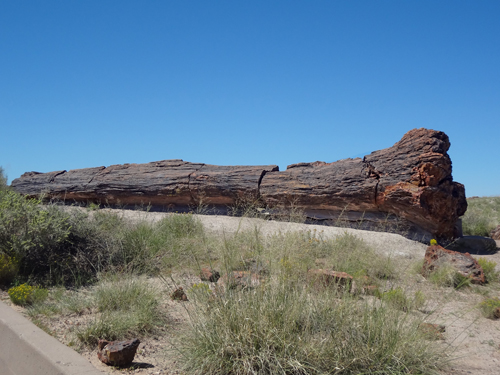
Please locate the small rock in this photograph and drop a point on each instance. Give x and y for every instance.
(473, 244)
(117, 353)
(495, 233)
(179, 295)
(254, 266)
(207, 274)
(496, 313)
(239, 280)
(325, 278)
(437, 256)
(432, 331)
(370, 290)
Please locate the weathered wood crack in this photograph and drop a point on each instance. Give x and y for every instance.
(408, 185)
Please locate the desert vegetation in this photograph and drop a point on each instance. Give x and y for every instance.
(482, 216)
(112, 275)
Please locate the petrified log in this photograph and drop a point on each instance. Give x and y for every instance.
(409, 185)
(437, 256)
(170, 183)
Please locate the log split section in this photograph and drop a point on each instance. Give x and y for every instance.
(409, 184)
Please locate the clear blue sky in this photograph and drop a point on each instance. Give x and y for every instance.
(91, 83)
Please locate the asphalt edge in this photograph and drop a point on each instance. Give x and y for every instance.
(25, 349)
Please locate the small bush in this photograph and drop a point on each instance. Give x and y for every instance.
(3, 180)
(44, 240)
(448, 276)
(282, 328)
(9, 267)
(200, 291)
(482, 216)
(171, 243)
(398, 299)
(128, 307)
(25, 294)
(488, 267)
(490, 308)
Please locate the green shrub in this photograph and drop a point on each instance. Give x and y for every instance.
(54, 246)
(398, 299)
(3, 180)
(30, 234)
(25, 294)
(448, 276)
(173, 242)
(482, 216)
(488, 267)
(128, 307)
(200, 291)
(490, 308)
(9, 267)
(283, 328)
(345, 253)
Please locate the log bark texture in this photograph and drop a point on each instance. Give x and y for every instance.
(408, 186)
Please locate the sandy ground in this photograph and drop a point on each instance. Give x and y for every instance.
(474, 340)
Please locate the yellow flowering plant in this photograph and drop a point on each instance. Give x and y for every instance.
(25, 294)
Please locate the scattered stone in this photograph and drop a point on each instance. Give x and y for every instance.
(495, 233)
(179, 295)
(210, 275)
(473, 245)
(436, 256)
(117, 353)
(370, 290)
(432, 331)
(325, 278)
(254, 266)
(496, 313)
(239, 280)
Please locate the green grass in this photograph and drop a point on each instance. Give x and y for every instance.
(296, 329)
(447, 276)
(289, 326)
(127, 308)
(489, 308)
(169, 244)
(51, 246)
(398, 298)
(124, 308)
(490, 273)
(482, 216)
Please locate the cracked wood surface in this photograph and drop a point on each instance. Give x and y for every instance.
(409, 182)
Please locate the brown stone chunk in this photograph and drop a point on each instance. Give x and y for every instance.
(495, 233)
(437, 256)
(117, 353)
(324, 278)
(179, 295)
(239, 280)
(432, 331)
(210, 275)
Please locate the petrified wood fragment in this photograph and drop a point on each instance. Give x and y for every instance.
(409, 183)
(437, 256)
(117, 353)
(174, 183)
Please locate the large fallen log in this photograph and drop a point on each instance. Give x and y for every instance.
(407, 188)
